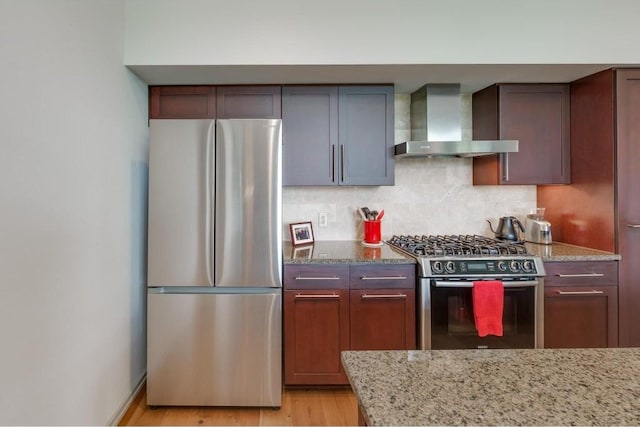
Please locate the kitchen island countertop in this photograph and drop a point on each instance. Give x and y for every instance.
(497, 387)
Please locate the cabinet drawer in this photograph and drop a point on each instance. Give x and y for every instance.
(388, 276)
(334, 276)
(581, 273)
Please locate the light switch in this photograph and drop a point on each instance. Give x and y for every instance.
(323, 219)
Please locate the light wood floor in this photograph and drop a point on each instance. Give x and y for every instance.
(300, 407)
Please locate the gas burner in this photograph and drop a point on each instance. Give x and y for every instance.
(469, 257)
(461, 245)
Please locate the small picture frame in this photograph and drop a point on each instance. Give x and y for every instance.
(301, 233)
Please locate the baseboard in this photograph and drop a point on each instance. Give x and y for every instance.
(124, 407)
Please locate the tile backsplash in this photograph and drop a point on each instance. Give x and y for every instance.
(430, 196)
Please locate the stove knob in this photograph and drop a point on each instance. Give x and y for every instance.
(502, 266)
(437, 267)
(527, 266)
(450, 267)
(514, 266)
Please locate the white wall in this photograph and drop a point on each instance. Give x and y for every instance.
(431, 196)
(223, 32)
(73, 144)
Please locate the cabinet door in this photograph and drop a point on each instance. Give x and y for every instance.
(248, 102)
(316, 330)
(309, 135)
(382, 319)
(580, 317)
(581, 304)
(628, 207)
(537, 115)
(365, 154)
(382, 306)
(182, 102)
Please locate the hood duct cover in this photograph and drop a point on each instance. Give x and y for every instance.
(436, 127)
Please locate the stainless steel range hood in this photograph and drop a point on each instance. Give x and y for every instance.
(436, 127)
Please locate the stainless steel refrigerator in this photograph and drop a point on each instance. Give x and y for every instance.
(215, 263)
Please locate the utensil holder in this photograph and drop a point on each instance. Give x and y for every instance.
(372, 231)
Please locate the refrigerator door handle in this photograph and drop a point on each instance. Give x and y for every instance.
(208, 200)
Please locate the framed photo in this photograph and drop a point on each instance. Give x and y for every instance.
(301, 233)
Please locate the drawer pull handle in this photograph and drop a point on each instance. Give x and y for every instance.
(316, 278)
(633, 225)
(581, 275)
(384, 277)
(316, 296)
(592, 292)
(380, 296)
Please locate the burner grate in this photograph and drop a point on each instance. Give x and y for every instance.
(460, 245)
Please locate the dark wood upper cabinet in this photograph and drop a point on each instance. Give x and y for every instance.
(538, 116)
(309, 135)
(248, 102)
(182, 102)
(338, 135)
(365, 133)
(215, 102)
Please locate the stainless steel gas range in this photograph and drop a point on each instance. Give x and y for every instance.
(448, 266)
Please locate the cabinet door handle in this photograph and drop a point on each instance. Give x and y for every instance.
(341, 162)
(581, 275)
(333, 162)
(633, 225)
(592, 292)
(316, 278)
(383, 277)
(380, 296)
(316, 296)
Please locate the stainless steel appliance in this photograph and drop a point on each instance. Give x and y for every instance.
(214, 263)
(537, 229)
(436, 127)
(448, 266)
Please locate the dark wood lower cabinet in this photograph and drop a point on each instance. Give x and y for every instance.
(576, 317)
(329, 308)
(316, 330)
(581, 304)
(382, 319)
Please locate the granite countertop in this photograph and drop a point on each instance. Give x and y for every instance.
(342, 252)
(565, 252)
(497, 387)
(353, 252)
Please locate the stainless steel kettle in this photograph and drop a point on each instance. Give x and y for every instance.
(506, 229)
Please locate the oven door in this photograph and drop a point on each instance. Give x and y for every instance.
(447, 317)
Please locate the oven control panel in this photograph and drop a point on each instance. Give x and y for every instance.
(485, 267)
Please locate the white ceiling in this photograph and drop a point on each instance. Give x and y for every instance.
(406, 78)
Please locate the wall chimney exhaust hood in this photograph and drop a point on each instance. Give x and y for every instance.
(436, 127)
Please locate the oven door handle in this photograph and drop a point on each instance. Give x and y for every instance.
(465, 284)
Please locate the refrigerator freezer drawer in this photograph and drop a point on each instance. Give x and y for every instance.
(214, 349)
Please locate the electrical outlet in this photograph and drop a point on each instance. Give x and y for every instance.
(323, 219)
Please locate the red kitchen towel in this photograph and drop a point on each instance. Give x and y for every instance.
(488, 302)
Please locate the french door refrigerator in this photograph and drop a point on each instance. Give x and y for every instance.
(214, 306)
